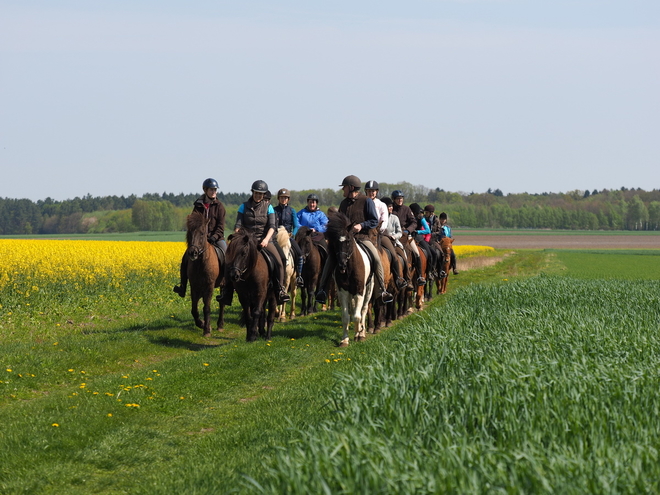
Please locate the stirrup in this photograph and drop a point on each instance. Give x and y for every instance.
(283, 297)
(321, 297)
(421, 281)
(300, 282)
(455, 271)
(386, 297)
(401, 283)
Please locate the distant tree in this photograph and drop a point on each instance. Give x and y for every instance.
(586, 194)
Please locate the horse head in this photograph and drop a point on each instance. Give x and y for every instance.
(196, 235)
(341, 237)
(240, 254)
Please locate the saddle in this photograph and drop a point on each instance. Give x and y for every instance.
(271, 263)
(221, 254)
(369, 255)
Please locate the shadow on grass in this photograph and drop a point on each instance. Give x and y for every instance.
(177, 343)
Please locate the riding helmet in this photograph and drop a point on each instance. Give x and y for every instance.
(284, 192)
(372, 184)
(387, 201)
(313, 197)
(351, 180)
(259, 186)
(443, 216)
(416, 209)
(429, 208)
(397, 194)
(210, 183)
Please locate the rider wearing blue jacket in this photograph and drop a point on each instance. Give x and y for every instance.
(311, 216)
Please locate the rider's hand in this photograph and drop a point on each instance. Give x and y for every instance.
(263, 243)
(357, 227)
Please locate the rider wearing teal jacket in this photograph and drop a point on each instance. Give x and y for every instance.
(445, 231)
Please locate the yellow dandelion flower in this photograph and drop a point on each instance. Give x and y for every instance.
(55, 425)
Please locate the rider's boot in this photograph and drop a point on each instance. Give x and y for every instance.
(299, 280)
(283, 297)
(181, 288)
(418, 265)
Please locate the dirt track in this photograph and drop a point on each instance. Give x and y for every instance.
(559, 241)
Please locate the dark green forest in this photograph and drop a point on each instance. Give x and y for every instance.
(616, 209)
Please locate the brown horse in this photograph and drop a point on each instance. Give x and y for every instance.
(352, 274)
(312, 269)
(382, 314)
(446, 248)
(247, 271)
(204, 271)
(290, 272)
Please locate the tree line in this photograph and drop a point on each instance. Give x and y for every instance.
(618, 209)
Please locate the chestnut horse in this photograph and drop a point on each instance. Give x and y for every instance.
(204, 270)
(352, 274)
(312, 269)
(446, 248)
(247, 271)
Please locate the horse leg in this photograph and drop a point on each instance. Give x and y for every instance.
(221, 318)
(294, 294)
(345, 318)
(207, 312)
(270, 321)
(194, 298)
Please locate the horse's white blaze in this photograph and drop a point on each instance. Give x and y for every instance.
(342, 238)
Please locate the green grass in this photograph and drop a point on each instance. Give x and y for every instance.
(513, 382)
(609, 264)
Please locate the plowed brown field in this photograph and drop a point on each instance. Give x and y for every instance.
(556, 240)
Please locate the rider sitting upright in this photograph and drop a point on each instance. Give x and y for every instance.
(257, 216)
(408, 224)
(362, 213)
(209, 206)
(287, 218)
(371, 190)
(445, 231)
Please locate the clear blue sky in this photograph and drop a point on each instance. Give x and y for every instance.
(127, 97)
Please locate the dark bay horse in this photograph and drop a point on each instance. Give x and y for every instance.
(312, 269)
(247, 271)
(352, 275)
(204, 271)
(383, 312)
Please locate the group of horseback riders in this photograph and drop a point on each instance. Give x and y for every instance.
(365, 211)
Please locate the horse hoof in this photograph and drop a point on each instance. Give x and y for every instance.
(361, 338)
(207, 334)
(343, 343)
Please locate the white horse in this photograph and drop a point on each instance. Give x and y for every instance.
(353, 276)
(290, 275)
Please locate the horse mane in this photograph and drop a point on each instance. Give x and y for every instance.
(283, 239)
(338, 225)
(194, 221)
(241, 240)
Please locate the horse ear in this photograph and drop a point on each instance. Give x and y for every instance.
(231, 236)
(309, 232)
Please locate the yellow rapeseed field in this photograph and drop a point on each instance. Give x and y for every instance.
(467, 250)
(84, 263)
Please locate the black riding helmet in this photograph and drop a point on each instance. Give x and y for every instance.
(387, 201)
(416, 209)
(259, 186)
(313, 197)
(210, 183)
(397, 194)
(371, 184)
